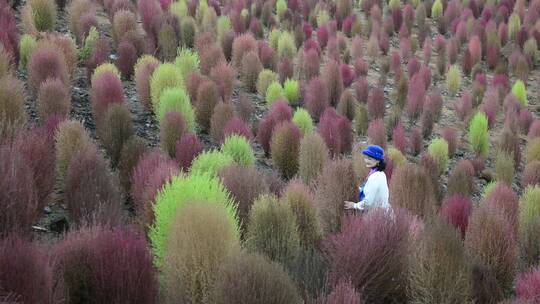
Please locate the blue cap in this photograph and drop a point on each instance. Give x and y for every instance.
(374, 151)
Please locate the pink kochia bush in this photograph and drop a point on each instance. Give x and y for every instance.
(237, 126)
(280, 111)
(106, 90)
(46, 62)
(26, 275)
(316, 97)
(377, 133)
(336, 131)
(503, 198)
(105, 265)
(528, 286)
(371, 251)
(456, 210)
(376, 105)
(187, 149)
(415, 96)
(343, 292)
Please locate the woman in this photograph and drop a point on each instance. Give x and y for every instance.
(374, 192)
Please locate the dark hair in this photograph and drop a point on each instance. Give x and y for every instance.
(381, 165)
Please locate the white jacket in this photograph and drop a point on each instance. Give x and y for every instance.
(376, 193)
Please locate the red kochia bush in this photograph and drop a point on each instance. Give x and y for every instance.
(377, 133)
(237, 126)
(332, 76)
(53, 98)
(105, 265)
(347, 74)
(376, 104)
(106, 90)
(371, 252)
(398, 137)
(528, 286)
(242, 44)
(280, 111)
(415, 97)
(311, 63)
(343, 292)
(450, 135)
(91, 192)
(26, 275)
(336, 131)
(18, 196)
(187, 149)
(456, 210)
(46, 62)
(316, 97)
(362, 89)
(224, 76)
(127, 57)
(503, 198)
(531, 174)
(416, 142)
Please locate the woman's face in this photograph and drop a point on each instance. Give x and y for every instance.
(370, 162)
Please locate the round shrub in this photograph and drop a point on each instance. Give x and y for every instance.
(336, 132)
(316, 97)
(116, 129)
(12, 101)
(187, 62)
(456, 210)
(132, 151)
(504, 168)
(361, 119)
(165, 76)
(461, 179)
(239, 149)
(347, 105)
(171, 130)
(107, 89)
(210, 162)
(301, 201)
(71, 137)
(251, 67)
(529, 223)
(265, 78)
(303, 120)
(144, 68)
(104, 68)
(201, 237)
(274, 92)
(332, 76)
(531, 174)
(46, 62)
(223, 113)
(411, 188)
(26, 45)
(532, 150)
(176, 100)
(286, 47)
(291, 90)
(251, 278)
(98, 263)
(490, 242)
(377, 132)
(502, 197)
(528, 285)
(312, 158)
(478, 134)
(431, 279)
(43, 15)
(438, 149)
(285, 146)
(187, 149)
(175, 197)
(207, 99)
(237, 126)
(242, 45)
(272, 229)
(453, 80)
(520, 92)
(224, 76)
(127, 57)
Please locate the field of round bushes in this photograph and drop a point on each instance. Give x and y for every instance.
(200, 151)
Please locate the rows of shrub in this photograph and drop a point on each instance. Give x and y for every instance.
(262, 108)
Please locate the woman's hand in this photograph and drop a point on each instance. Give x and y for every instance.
(349, 205)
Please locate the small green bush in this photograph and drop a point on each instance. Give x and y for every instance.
(453, 80)
(239, 149)
(398, 159)
(286, 47)
(103, 68)
(89, 43)
(323, 17)
(176, 99)
(312, 157)
(478, 134)
(273, 38)
(188, 28)
(291, 88)
(266, 77)
(529, 223)
(274, 92)
(285, 147)
(520, 92)
(223, 26)
(71, 138)
(174, 197)
(436, 9)
(179, 9)
(504, 168)
(210, 162)
(26, 45)
(272, 229)
(303, 120)
(532, 150)
(301, 201)
(438, 149)
(514, 25)
(187, 62)
(361, 120)
(166, 75)
(281, 7)
(43, 14)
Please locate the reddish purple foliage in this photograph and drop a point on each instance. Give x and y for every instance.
(100, 54)
(347, 74)
(106, 90)
(311, 63)
(311, 44)
(528, 286)
(280, 111)
(425, 73)
(343, 292)
(452, 50)
(450, 135)
(490, 107)
(416, 142)
(322, 36)
(534, 129)
(456, 210)
(149, 10)
(395, 62)
(98, 263)
(238, 127)
(332, 76)
(336, 131)
(362, 90)
(427, 50)
(46, 62)
(376, 104)
(285, 69)
(475, 49)
(493, 55)
(525, 120)
(464, 106)
(384, 43)
(415, 97)
(413, 67)
(187, 149)
(18, 196)
(26, 275)
(9, 37)
(371, 251)
(398, 137)
(307, 29)
(531, 174)
(244, 107)
(316, 98)
(503, 198)
(361, 67)
(224, 76)
(127, 57)
(377, 133)
(172, 128)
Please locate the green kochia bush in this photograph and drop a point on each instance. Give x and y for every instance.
(210, 162)
(266, 77)
(187, 62)
(165, 76)
(291, 89)
(303, 120)
(176, 100)
(529, 223)
(43, 14)
(274, 92)
(172, 200)
(520, 92)
(26, 45)
(478, 134)
(438, 149)
(239, 149)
